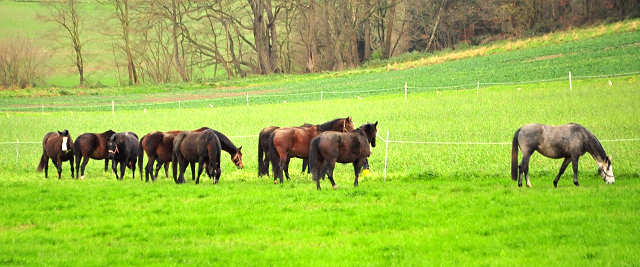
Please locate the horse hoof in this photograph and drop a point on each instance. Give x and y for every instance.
(275, 182)
(82, 177)
(335, 187)
(555, 185)
(519, 185)
(529, 185)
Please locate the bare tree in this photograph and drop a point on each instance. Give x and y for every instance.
(265, 35)
(65, 14)
(21, 62)
(387, 42)
(121, 9)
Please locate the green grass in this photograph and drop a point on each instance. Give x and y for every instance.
(440, 204)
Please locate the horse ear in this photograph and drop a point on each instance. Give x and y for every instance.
(350, 118)
(376, 124)
(240, 148)
(59, 133)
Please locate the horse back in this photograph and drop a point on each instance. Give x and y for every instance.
(92, 145)
(561, 141)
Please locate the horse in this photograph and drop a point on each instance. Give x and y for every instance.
(569, 141)
(91, 145)
(331, 147)
(159, 148)
(294, 142)
(202, 147)
(263, 152)
(123, 149)
(55, 146)
(229, 147)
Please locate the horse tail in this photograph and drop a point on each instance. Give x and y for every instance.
(43, 161)
(313, 158)
(273, 154)
(260, 158)
(174, 155)
(514, 156)
(141, 156)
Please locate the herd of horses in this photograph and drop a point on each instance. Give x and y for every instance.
(320, 147)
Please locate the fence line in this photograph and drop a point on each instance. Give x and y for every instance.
(247, 95)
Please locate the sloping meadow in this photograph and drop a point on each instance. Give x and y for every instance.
(447, 198)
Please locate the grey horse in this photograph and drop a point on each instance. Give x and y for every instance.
(569, 141)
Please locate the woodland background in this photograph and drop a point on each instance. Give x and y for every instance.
(167, 41)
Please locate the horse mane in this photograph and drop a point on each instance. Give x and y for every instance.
(202, 129)
(595, 144)
(328, 125)
(225, 143)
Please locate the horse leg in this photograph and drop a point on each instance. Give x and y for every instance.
(106, 164)
(183, 163)
(286, 168)
(330, 166)
(574, 163)
(159, 165)
(565, 163)
(46, 165)
(524, 169)
(166, 170)
(85, 160)
(133, 168)
(114, 168)
(148, 169)
(357, 167)
(59, 167)
(71, 166)
(123, 167)
(305, 166)
(200, 168)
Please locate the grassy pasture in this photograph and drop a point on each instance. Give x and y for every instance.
(440, 204)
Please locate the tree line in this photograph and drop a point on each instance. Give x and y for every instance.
(160, 41)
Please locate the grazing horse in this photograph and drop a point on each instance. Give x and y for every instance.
(159, 148)
(55, 146)
(263, 152)
(569, 141)
(331, 147)
(285, 143)
(229, 147)
(91, 145)
(123, 149)
(202, 147)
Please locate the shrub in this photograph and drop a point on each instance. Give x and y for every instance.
(22, 62)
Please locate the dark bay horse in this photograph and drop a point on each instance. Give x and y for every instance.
(229, 147)
(202, 147)
(91, 145)
(331, 147)
(56, 146)
(263, 152)
(285, 143)
(123, 150)
(569, 141)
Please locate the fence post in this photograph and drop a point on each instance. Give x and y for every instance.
(178, 105)
(570, 86)
(113, 109)
(386, 154)
(247, 99)
(17, 150)
(321, 95)
(405, 91)
(478, 88)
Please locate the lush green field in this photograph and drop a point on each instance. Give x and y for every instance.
(440, 204)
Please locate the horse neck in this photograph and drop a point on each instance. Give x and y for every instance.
(334, 125)
(595, 148)
(226, 144)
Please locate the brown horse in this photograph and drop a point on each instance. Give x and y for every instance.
(55, 146)
(91, 145)
(285, 143)
(569, 141)
(202, 147)
(331, 147)
(263, 152)
(159, 148)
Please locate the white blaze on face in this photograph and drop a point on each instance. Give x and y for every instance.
(64, 143)
(609, 178)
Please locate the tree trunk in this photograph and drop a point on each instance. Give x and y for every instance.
(259, 35)
(387, 41)
(273, 37)
(367, 31)
(174, 36)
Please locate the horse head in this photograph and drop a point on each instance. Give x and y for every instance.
(65, 140)
(237, 158)
(347, 125)
(112, 145)
(606, 170)
(372, 131)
